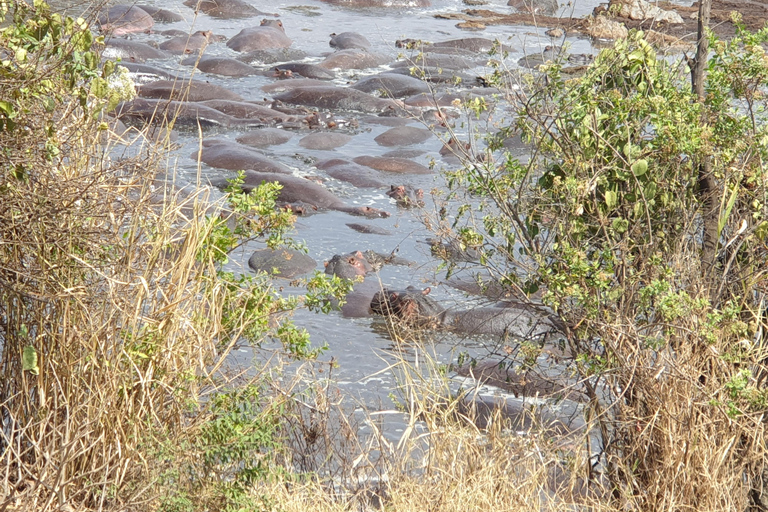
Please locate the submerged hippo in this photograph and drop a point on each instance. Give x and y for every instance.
(270, 34)
(300, 190)
(235, 157)
(302, 69)
(350, 172)
(392, 164)
(403, 136)
(353, 266)
(125, 19)
(416, 308)
(220, 66)
(188, 43)
(338, 98)
(354, 59)
(380, 3)
(246, 110)
(131, 51)
(282, 262)
(161, 15)
(224, 8)
(392, 85)
(406, 195)
(348, 41)
(187, 90)
(182, 114)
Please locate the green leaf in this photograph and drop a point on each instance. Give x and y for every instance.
(611, 198)
(29, 360)
(639, 168)
(725, 214)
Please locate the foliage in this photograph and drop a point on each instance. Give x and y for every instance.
(603, 223)
(117, 313)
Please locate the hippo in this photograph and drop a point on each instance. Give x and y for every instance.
(125, 19)
(161, 15)
(247, 110)
(181, 113)
(393, 4)
(282, 262)
(348, 266)
(432, 100)
(353, 266)
(297, 189)
(186, 90)
(324, 140)
(392, 164)
(369, 229)
(541, 7)
(143, 73)
(220, 66)
(265, 137)
(302, 69)
(416, 308)
(287, 85)
(235, 157)
(354, 59)
(530, 383)
(337, 98)
(270, 34)
(473, 44)
(131, 51)
(435, 75)
(437, 60)
(406, 195)
(391, 85)
(350, 172)
(188, 43)
(452, 250)
(271, 56)
(403, 136)
(349, 41)
(224, 8)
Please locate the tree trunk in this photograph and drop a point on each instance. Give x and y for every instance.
(707, 185)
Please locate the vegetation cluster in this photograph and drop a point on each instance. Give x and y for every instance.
(638, 224)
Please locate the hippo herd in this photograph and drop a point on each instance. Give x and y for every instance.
(312, 97)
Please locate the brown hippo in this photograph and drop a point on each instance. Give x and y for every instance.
(437, 60)
(302, 69)
(183, 114)
(224, 8)
(247, 110)
(353, 266)
(235, 157)
(144, 73)
(416, 308)
(324, 140)
(220, 66)
(125, 19)
(131, 51)
(271, 56)
(406, 195)
(348, 266)
(161, 15)
(270, 34)
(391, 85)
(189, 43)
(403, 136)
(337, 98)
(392, 4)
(369, 229)
(186, 90)
(349, 41)
(265, 137)
(354, 59)
(281, 262)
(350, 172)
(302, 190)
(392, 164)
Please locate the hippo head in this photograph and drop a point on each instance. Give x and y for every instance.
(367, 211)
(348, 266)
(301, 209)
(272, 23)
(411, 305)
(406, 195)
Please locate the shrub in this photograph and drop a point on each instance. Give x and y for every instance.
(606, 223)
(116, 317)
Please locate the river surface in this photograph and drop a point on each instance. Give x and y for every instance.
(362, 348)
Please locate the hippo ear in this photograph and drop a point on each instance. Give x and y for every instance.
(359, 254)
(426, 291)
(325, 264)
(393, 295)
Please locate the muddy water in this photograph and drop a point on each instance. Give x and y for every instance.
(362, 348)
